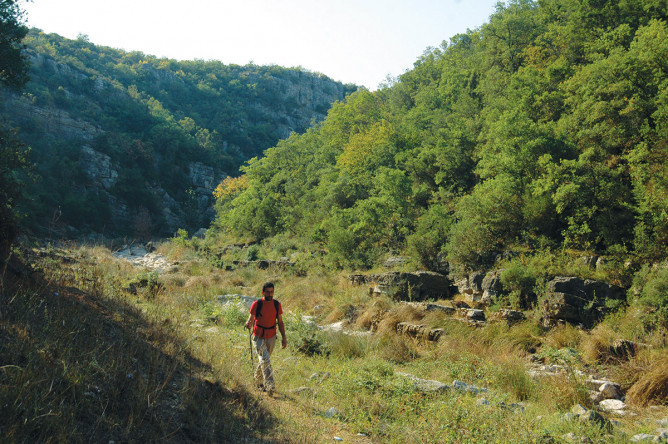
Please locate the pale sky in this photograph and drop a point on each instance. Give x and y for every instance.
(352, 41)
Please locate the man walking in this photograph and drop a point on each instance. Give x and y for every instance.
(265, 314)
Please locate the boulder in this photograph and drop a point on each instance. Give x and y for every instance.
(612, 405)
(234, 298)
(594, 417)
(491, 286)
(471, 286)
(475, 315)
(610, 390)
(623, 349)
(425, 385)
(419, 331)
(426, 306)
(577, 301)
(508, 316)
(403, 286)
(395, 261)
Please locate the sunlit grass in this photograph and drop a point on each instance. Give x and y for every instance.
(69, 356)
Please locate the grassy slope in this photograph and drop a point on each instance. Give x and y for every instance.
(82, 359)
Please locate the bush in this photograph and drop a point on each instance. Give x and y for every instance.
(520, 281)
(651, 285)
(231, 314)
(306, 336)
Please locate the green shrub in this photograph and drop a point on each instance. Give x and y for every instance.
(306, 336)
(651, 285)
(519, 280)
(231, 314)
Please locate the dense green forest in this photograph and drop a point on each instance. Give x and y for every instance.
(147, 121)
(544, 129)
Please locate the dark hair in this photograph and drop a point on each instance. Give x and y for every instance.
(267, 285)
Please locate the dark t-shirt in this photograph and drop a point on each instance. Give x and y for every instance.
(267, 319)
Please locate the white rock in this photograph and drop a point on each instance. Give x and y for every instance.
(612, 405)
(579, 409)
(595, 397)
(459, 385)
(331, 412)
(641, 437)
(425, 385)
(569, 437)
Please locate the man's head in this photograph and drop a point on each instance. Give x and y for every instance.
(268, 291)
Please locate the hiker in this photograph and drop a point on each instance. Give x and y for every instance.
(265, 314)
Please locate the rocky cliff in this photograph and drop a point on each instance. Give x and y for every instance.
(131, 144)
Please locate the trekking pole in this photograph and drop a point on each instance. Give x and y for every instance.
(250, 347)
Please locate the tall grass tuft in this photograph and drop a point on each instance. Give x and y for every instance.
(652, 386)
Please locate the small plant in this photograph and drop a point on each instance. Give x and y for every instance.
(181, 237)
(232, 313)
(651, 285)
(520, 281)
(147, 285)
(308, 339)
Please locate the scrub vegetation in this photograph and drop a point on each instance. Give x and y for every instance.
(86, 356)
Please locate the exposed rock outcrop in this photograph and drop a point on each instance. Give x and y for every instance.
(98, 167)
(577, 301)
(416, 286)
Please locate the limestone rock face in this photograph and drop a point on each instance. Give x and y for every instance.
(402, 286)
(203, 177)
(89, 103)
(577, 301)
(98, 167)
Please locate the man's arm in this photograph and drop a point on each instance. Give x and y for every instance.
(281, 328)
(250, 321)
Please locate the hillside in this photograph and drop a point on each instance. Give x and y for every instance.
(477, 252)
(542, 131)
(126, 143)
(97, 349)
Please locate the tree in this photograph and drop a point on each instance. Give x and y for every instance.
(13, 73)
(13, 64)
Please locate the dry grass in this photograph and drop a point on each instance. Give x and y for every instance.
(562, 392)
(398, 349)
(196, 371)
(596, 345)
(373, 315)
(652, 385)
(84, 361)
(400, 313)
(564, 336)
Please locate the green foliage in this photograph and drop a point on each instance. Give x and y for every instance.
(13, 167)
(13, 162)
(231, 314)
(545, 128)
(306, 336)
(147, 285)
(153, 117)
(431, 233)
(519, 280)
(13, 66)
(651, 284)
(181, 237)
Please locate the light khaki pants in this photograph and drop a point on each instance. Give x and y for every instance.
(263, 371)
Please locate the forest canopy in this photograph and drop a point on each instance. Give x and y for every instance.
(544, 128)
